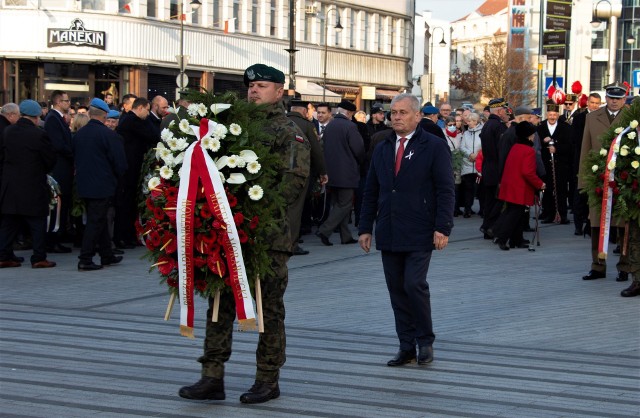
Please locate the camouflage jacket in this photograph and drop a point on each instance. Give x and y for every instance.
(293, 148)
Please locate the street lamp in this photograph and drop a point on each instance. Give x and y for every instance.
(338, 28)
(631, 40)
(441, 43)
(182, 79)
(613, 13)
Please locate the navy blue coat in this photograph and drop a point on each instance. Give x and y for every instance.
(409, 207)
(100, 160)
(343, 153)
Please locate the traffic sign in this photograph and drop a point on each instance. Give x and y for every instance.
(558, 23)
(555, 38)
(558, 15)
(182, 80)
(636, 78)
(549, 80)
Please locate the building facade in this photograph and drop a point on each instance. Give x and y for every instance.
(88, 47)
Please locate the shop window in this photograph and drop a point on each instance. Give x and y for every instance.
(124, 6)
(273, 21)
(152, 8)
(174, 10)
(93, 5)
(69, 77)
(57, 4)
(15, 3)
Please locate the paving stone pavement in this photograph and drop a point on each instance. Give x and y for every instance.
(519, 334)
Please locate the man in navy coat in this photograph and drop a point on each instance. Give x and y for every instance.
(410, 195)
(100, 162)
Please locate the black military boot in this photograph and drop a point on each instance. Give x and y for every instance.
(261, 392)
(203, 389)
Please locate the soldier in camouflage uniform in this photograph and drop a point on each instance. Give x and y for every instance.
(266, 86)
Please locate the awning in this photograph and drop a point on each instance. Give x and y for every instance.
(382, 94)
(314, 93)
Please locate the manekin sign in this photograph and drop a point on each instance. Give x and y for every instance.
(76, 35)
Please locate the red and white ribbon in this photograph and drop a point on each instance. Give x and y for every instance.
(198, 165)
(607, 196)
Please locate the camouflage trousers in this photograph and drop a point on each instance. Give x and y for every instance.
(633, 250)
(270, 355)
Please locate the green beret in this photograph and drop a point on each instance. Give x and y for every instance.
(261, 72)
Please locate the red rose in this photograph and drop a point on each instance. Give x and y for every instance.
(624, 175)
(601, 177)
(599, 191)
(172, 282)
(254, 222)
(171, 193)
(634, 185)
(158, 213)
(205, 212)
(612, 184)
(233, 201)
(242, 236)
(150, 203)
(616, 191)
(197, 223)
(238, 218)
(200, 285)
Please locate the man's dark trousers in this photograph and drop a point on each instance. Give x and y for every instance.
(11, 225)
(406, 275)
(96, 233)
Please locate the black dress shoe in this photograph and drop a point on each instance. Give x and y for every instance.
(520, 245)
(623, 276)
(324, 239)
(402, 357)
(121, 245)
(299, 251)
(631, 291)
(207, 388)
(117, 251)
(16, 259)
(616, 250)
(594, 275)
(261, 392)
(88, 266)
(350, 241)
(115, 259)
(425, 355)
(503, 246)
(564, 221)
(59, 249)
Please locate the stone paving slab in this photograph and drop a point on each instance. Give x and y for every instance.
(519, 334)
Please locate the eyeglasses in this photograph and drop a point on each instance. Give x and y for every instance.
(65, 100)
(448, 124)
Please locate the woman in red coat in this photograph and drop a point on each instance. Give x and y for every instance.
(517, 188)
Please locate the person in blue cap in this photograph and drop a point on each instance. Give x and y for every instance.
(26, 157)
(429, 120)
(112, 119)
(100, 161)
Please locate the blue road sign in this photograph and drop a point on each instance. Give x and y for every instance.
(549, 80)
(636, 78)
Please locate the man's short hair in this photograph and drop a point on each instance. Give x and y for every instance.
(415, 103)
(596, 95)
(10, 108)
(95, 112)
(140, 102)
(128, 96)
(56, 95)
(327, 105)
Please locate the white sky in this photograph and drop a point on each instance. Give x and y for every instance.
(449, 10)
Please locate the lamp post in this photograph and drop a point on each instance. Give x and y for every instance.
(613, 13)
(338, 28)
(182, 79)
(441, 43)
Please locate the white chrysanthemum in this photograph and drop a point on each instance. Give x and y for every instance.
(169, 161)
(159, 147)
(184, 126)
(635, 164)
(182, 144)
(253, 167)
(202, 110)
(206, 142)
(178, 159)
(220, 131)
(618, 130)
(603, 152)
(236, 178)
(637, 150)
(631, 135)
(594, 168)
(256, 192)
(611, 165)
(166, 172)
(235, 129)
(633, 124)
(192, 109)
(241, 163)
(624, 151)
(153, 183)
(215, 144)
(248, 155)
(166, 134)
(232, 161)
(173, 144)
(219, 107)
